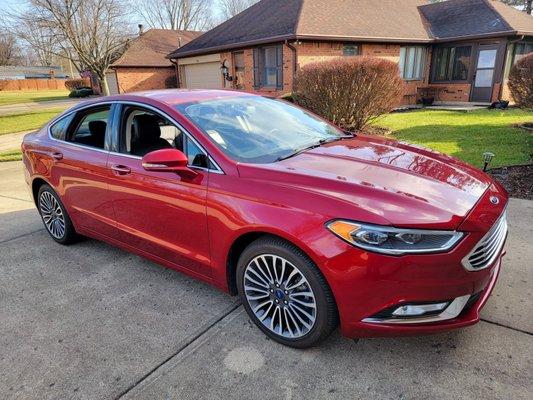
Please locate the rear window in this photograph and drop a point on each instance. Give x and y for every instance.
(59, 128)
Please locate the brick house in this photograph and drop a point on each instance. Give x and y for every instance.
(144, 64)
(455, 51)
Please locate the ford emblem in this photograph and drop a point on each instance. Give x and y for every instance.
(494, 200)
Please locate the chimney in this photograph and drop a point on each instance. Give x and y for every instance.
(141, 29)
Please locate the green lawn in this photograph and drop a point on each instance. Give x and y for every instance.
(27, 121)
(30, 96)
(466, 135)
(11, 155)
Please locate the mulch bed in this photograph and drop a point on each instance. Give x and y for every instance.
(517, 179)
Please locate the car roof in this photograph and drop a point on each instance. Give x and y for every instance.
(174, 97)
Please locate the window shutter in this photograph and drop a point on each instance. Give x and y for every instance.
(257, 68)
(279, 69)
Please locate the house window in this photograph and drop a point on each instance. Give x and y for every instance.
(412, 60)
(268, 67)
(238, 62)
(521, 50)
(350, 50)
(451, 63)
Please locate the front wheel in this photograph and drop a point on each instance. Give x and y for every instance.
(285, 294)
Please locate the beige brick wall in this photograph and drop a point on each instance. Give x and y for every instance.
(135, 79)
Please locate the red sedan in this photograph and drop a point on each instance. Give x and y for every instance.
(311, 226)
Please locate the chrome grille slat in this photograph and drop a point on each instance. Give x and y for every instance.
(487, 249)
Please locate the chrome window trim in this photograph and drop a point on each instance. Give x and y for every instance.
(218, 169)
(452, 311)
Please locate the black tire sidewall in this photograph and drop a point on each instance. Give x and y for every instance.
(326, 312)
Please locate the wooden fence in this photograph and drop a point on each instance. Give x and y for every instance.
(34, 84)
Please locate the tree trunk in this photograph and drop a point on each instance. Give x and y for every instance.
(529, 6)
(103, 83)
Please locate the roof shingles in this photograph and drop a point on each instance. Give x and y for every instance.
(407, 21)
(150, 49)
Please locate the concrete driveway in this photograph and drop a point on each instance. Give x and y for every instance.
(90, 321)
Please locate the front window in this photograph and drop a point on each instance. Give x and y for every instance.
(350, 50)
(522, 49)
(268, 67)
(238, 62)
(412, 61)
(143, 131)
(258, 130)
(451, 63)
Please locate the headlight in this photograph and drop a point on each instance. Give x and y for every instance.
(395, 241)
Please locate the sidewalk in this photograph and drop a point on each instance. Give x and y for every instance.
(32, 107)
(12, 141)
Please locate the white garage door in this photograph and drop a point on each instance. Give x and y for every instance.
(203, 76)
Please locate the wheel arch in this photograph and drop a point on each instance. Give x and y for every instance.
(243, 240)
(35, 186)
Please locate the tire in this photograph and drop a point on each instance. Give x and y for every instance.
(54, 216)
(285, 294)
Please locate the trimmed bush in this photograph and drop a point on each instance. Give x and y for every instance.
(521, 82)
(171, 82)
(73, 84)
(349, 92)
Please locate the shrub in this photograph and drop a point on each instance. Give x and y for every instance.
(73, 84)
(171, 82)
(81, 92)
(521, 82)
(349, 92)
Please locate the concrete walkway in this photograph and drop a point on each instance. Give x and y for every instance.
(37, 106)
(11, 141)
(89, 321)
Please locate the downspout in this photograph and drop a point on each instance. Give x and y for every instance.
(294, 61)
(177, 72)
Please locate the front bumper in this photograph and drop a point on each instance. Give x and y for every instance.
(468, 315)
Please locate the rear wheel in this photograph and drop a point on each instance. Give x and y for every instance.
(54, 215)
(285, 294)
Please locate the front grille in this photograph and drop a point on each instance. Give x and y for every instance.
(488, 248)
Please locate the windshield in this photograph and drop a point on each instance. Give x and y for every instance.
(254, 129)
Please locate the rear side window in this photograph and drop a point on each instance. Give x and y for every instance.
(59, 128)
(90, 127)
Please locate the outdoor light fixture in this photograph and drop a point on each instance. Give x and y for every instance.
(487, 158)
(225, 71)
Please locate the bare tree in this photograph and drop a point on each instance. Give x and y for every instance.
(91, 33)
(175, 14)
(9, 49)
(231, 8)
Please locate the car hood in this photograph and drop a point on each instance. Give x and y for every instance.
(404, 184)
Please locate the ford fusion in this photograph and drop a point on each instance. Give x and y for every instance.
(312, 227)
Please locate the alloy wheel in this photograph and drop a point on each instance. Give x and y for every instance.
(52, 215)
(280, 296)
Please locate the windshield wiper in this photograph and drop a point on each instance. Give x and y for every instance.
(302, 149)
(349, 135)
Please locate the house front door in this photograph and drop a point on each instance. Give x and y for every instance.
(484, 76)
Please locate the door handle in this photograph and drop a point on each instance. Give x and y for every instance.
(56, 155)
(121, 169)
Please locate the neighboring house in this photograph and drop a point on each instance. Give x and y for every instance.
(458, 50)
(143, 65)
(31, 72)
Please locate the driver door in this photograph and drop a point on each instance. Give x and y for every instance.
(158, 213)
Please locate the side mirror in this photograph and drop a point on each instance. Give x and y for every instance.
(168, 160)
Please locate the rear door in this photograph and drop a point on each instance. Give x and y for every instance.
(80, 168)
(159, 213)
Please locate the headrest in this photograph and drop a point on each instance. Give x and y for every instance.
(145, 129)
(97, 129)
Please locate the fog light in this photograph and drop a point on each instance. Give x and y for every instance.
(413, 310)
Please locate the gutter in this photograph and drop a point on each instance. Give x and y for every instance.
(176, 72)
